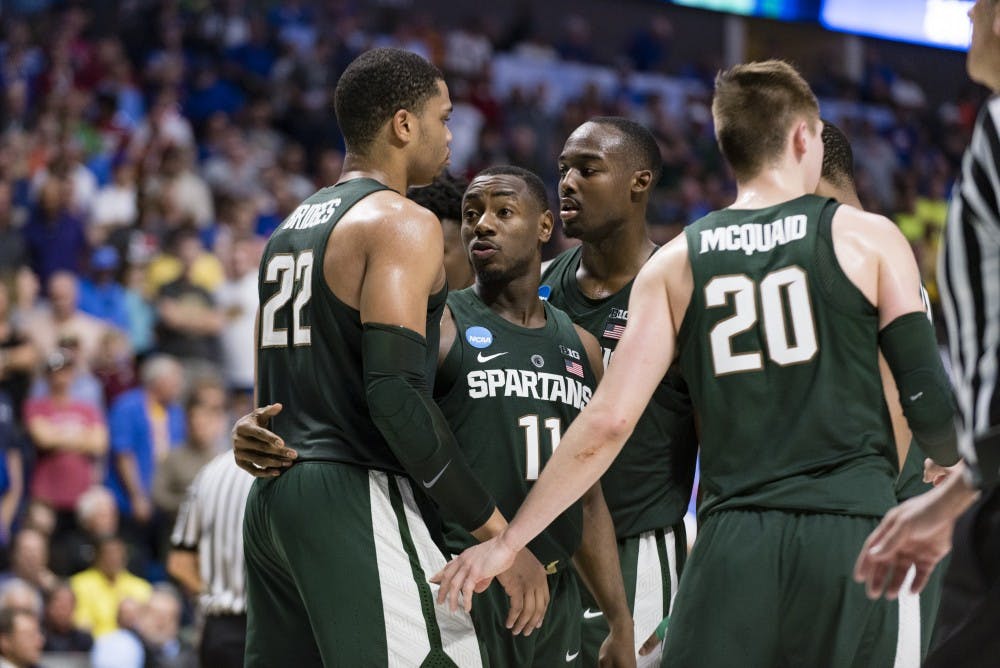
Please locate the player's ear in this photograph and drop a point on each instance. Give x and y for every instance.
(800, 138)
(642, 180)
(402, 125)
(545, 224)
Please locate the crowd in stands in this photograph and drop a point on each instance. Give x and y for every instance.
(148, 150)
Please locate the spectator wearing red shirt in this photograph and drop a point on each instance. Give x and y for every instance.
(70, 436)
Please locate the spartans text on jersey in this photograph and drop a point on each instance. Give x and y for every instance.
(523, 383)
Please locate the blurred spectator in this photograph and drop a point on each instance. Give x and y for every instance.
(21, 639)
(96, 518)
(102, 296)
(29, 562)
(145, 424)
(186, 190)
(206, 424)
(54, 233)
(101, 588)
(116, 205)
(234, 171)
(11, 468)
(159, 627)
(61, 632)
(40, 517)
(141, 315)
(189, 321)
(18, 358)
(237, 300)
(114, 366)
(122, 647)
(650, 47)
(70, 436)
(186, 258)
(16, 593)
(61, 320)
(13, 250)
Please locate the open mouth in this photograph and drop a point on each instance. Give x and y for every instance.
(568, 208)
(480, 250)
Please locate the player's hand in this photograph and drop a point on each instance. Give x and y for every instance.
(528, 588)
(936, 474)
(915, 533)
(258, 451)
(654, 639)
(618, 649)
(471, 572)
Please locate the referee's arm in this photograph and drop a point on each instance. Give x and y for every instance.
(182, 560)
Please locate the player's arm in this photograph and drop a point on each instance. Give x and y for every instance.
(257, 450)
(596, 436)
(878, 259)
(403, 267)
(596, 561)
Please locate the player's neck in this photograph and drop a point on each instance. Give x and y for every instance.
(770, 187)
(386, 172)
(514, 300)
(608, 264)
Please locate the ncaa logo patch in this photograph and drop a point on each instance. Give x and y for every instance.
(479, 337)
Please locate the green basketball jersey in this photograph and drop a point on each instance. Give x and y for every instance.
(309, 350)
(508, 393)
(780, 351)
(649, 484)
(910, 482)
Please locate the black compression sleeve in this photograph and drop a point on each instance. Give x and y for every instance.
(911, 350)
(401, 407)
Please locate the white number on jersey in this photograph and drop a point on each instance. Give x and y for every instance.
(286, 271)
(783, 288)
(532, 441)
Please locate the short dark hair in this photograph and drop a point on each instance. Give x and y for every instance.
(639, 142)
(375, 86)
(754, 106)
(535, 186)
(443, 197)
(838, 158)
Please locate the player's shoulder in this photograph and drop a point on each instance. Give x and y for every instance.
(858, 226)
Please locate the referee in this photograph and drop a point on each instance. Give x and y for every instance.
(919, 532)
(207, 557)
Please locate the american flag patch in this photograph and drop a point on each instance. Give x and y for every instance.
(613, 330)
(574, 367)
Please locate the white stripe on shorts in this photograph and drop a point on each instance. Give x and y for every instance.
(458, 636)
(647, 609)
(908, 638)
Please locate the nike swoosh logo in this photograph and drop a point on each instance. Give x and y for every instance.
(486, 358)
(430, 483)
(589, 614)
(916, 396)
(570, 657)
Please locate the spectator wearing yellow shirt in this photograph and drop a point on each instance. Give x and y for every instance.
(101, 588)
(186, 256)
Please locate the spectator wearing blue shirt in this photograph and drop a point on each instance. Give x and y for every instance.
(145, 423)
(54, 235)
(102, 296)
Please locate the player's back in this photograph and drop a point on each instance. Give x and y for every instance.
(309, 354)
(779, 349)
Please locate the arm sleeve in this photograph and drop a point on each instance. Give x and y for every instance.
(400, 403)
(910, 348)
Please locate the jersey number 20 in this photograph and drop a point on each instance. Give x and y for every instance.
(286, 271)
(784, 296)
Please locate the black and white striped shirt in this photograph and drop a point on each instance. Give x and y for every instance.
(210, 521)
(969, 277)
